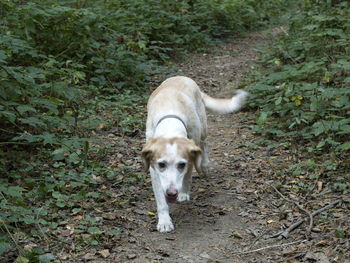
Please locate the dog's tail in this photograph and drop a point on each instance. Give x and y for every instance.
(223, 106)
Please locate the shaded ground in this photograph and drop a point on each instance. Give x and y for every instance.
(235, 209)
(233, 212)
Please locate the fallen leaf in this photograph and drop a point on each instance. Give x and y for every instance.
(151, 213)
(104, 253)
(30, 246)
(205, 255)
(316, 229)
(132, 256)
(109, 216)
(148, 180)
(237, 235)
(319, 186)
(89, 256)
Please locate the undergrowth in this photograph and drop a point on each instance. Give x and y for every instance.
(302, 91)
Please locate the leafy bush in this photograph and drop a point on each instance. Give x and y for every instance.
(304, 96)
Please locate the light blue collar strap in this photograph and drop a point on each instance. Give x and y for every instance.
(172, 117)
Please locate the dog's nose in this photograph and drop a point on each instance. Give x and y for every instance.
(171, 192)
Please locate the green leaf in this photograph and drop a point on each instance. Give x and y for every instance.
(4, 246)
(278, 101)
(344, 146)
(262, 118)
(25, 108)
(76, 210)
(49, 138)
(33, 121)
(9, 116)
(48, 257)
(94, 230)
(27, 137)
(116, 232)
(14, 191)
(339, 233)
(21, 259)
(59, 196)
(319, 128)
(58, 154)
(2, 56)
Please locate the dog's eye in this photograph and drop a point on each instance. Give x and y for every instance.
(161, 165)
(181, 166)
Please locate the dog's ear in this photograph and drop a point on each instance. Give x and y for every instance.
(196, 154)
(147, 153)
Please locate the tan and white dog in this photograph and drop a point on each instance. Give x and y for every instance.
(176, 131)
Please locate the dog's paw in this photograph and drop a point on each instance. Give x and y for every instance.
(183, 197)
(205, 170)
(165, 227)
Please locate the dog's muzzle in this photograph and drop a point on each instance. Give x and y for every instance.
(171, 195)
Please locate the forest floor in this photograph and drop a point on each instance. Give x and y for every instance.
(233, 211)
(236, 209)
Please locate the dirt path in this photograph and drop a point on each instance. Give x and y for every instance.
(225, 215)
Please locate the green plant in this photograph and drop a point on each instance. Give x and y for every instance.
(304, 96)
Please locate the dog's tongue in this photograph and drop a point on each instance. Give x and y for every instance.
(171, 199)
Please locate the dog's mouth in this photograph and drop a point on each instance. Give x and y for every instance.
(171, 199)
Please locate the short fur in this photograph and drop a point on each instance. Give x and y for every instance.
(175, 145)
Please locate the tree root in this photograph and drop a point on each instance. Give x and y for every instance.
(311, 218)
(285, 233)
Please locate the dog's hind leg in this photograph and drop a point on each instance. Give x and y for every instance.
(205, 158)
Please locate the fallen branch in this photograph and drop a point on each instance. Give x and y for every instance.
(285, 233)
(268, 247)
(311, 222)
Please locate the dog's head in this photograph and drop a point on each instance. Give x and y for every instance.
(170, 159)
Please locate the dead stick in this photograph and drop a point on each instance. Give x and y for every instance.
(285, 233)
(268, 247)
(300, 207)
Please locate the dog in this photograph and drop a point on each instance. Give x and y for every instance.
(176, 131)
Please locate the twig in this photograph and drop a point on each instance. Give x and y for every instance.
(300, 207)
(268, 247)
(285, 233)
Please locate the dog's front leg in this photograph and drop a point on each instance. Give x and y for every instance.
(164, 219)
(184, 194)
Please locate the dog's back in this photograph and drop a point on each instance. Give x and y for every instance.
(178, 96)
(174, 94)
(182, 97)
